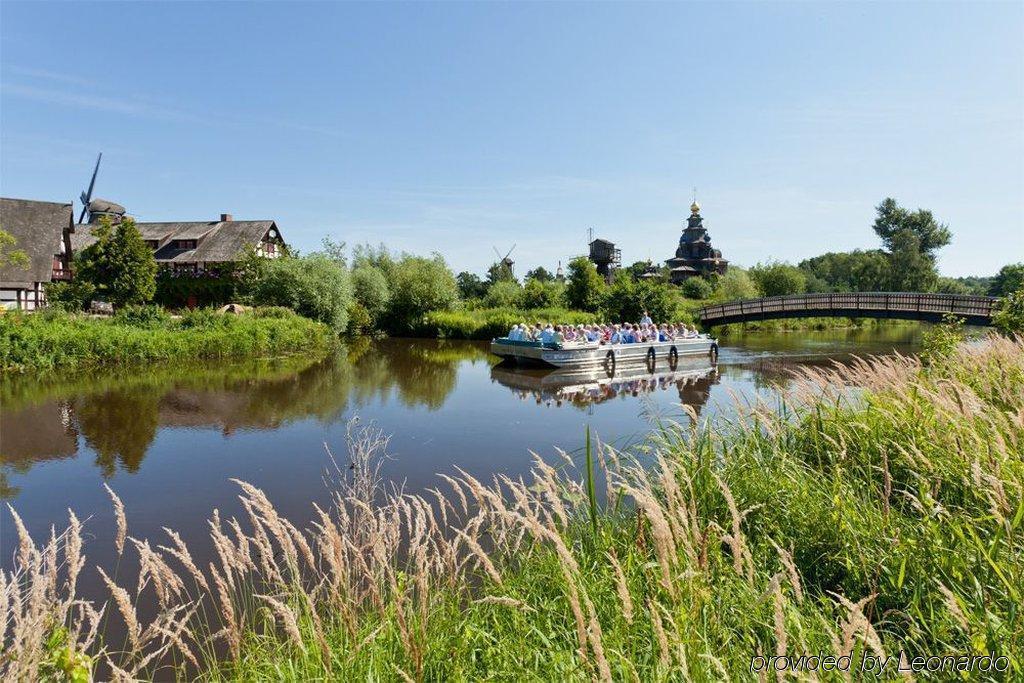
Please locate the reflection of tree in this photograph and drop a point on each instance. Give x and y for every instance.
(118, 411)
(119, 426)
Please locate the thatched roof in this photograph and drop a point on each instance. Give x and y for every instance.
(38, 230)
(218, 241)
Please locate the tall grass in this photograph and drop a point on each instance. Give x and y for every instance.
(52, 340)
(877, 521)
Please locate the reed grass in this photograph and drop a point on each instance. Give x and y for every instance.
(880, 520)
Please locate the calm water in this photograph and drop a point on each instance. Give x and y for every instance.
(169, 439)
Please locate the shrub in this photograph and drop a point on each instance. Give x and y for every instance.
(697, 288)
(503, 294)
(359, 320)
(736, 284)
(626, 300)
(69, 296)
(278, 312)
(778, 279)
(1009, 314)
(542, 293)
(370, 287)
(419, 285)
(118, 264)
(146, 317)
(314, 286)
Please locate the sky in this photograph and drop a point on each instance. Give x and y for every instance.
(464, 127)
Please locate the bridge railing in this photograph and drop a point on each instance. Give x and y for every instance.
(968, 306)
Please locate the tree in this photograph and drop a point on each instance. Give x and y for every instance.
(1008, 280)
(584, 286)
(370, 287)
(540, 294)
(540, 274)
(503, 294)
(911, 239)
(697, 288)
(952, 285)
(626, 299)
(119, 264)
(419, 284)
(849, 271)
(470, 285)
(1009, 314)
(778, 279)
(500, 272)
(315, 286)
(736, 284)
(11, 257)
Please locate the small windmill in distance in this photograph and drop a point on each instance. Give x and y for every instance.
(505, 262)
(86, 196)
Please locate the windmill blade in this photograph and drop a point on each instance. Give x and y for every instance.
(87, 195)
(510, 251)
(496, 252)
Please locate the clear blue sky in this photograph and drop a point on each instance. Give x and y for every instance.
(455, 127)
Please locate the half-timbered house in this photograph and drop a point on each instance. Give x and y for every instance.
(42, 230)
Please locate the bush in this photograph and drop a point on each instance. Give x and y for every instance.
(1009, 315)
(542, 293)
(626, 300)
(146, 317)
(503, 294)
(697, 288)
(778, 279)
(201, 318)
(736, 284)
(419, 285)
(69, 296)
(371, 290)
(118, 264)
(278, 312)
(314, 286)
(359, 319)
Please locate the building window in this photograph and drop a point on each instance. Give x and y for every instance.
(152, 244)
(186, 244)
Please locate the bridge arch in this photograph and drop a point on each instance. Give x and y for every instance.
(975, 310)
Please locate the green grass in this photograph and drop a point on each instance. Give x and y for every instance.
(57, 341)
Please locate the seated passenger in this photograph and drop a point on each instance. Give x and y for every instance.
(546, 334)
(557, 337)
(616, 335)
(663, 333)
(515, 334)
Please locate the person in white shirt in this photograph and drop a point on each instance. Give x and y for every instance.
(646, 320)
(515, 334)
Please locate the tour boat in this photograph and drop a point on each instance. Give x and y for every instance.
(590, 354)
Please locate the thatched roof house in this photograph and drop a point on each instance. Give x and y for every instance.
(200, 245)
(43, 231)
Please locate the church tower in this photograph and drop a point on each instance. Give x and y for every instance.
(695, 256)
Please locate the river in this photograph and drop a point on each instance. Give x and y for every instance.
(169, 439)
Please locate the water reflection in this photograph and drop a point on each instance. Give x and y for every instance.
(117, 415)
(691, 380)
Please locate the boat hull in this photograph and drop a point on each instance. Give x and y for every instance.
(607, 355)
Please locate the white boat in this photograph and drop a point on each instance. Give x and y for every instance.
(591, 354)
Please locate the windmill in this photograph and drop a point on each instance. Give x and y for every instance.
(86, 196)
(505, 262)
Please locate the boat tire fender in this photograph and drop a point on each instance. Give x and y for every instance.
(650, 359)
(714, 351)
(673, 357)
(609, 361)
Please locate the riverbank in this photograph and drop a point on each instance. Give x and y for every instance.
(862, 524)
(53, 340)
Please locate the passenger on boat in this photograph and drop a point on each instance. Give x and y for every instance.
(646, 320)
(515, 334)
(663, 335)
(546, 334)
(616, 336)
(593, 334)
(557, 337)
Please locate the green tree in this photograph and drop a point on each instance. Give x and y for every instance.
(626, 299)
(952, 285)
(736, 284)
(911, 239)
(419, 284)
(584, 286)
(850, 271)
(315, 286)
(697, 288)
(503, 294)
(119, 264)
(371, 290)
(541, 294)
(778, 279)
(470, 285)
(1008, 280)
(9, 256)
(500, 272)
(541, 274)
(1009, 314)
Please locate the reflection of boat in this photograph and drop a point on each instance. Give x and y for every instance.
(691, 377)
(584, 354)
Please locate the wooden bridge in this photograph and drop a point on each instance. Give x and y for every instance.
(975, 310)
